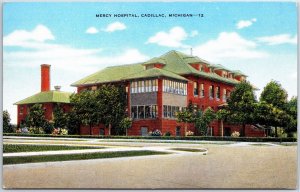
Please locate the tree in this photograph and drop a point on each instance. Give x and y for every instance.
(36, 117)
(73, 122)
(241, 105)
(125, 124)
(291, 110)
(112, 102)
(60, 118)
(202, 120)
(274, 95)
(268, 115)
(186, 116)
(7, 127)
(105, 105)
(222, 115)
(86, 108)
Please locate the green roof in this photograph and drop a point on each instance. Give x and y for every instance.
(175, 64)
(155, 60)
(154, 72)
(219, 66)
(110, 74)
(238, 72)
(47, 97)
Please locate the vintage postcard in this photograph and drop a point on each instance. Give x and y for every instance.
(150, 95)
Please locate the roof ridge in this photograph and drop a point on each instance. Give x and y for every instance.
(187, 65)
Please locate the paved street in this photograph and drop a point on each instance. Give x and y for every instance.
(227, 165)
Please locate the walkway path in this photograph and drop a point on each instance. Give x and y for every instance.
(225, 166)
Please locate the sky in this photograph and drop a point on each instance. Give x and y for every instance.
(259, 39)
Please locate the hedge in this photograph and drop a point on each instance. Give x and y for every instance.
(189, 138)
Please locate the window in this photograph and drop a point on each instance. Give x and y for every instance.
(150, 86)
(165, 111)
(173, 112)
(153, 111)
(139, 87)
(185, 89)
(144, 112)
(169, 111)
(218, 92)
(146, 86)
(21, 110)
(174, 87)
(211, 92)
(196, 89)
(147, 112)
(143, 86)
(154, 85)
(141, 111)
(202, 90)
(201, 68)
(224, 95)
(134, 112)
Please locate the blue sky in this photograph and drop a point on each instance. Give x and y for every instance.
(257, 38)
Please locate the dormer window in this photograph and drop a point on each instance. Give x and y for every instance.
(201, 68)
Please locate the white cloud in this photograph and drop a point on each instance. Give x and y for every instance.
(62, 56)
(92, 30)
(69, 64)
(116, 26)
(194, 33)
(245, 23)
(278, 39)
(172, 38)
(228, 45)
(25, 38)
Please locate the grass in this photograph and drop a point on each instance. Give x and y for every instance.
(14, 148)
(189, 149)
(260, 144)
(49, 158)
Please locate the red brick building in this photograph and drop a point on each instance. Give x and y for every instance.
(160, 87)
(48, 98)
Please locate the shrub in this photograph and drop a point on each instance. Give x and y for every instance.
(235, 134)
(63, 132)
(36, 130)
(156, 133)
(167, 134)
(189, 133)
(48, 127)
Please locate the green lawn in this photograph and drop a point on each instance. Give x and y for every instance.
(189, 149)
(14, 148)
(48, 158)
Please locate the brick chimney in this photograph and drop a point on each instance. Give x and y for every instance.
(45, 77)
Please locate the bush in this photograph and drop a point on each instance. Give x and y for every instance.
(190, 133)
(196, 138)
(155, 133)
(235, 134)
(59, 131)
(48, 127)
(167, 134)
(36, 130)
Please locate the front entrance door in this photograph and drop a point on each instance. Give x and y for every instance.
(144, 131)
(227, 131)
(101, 131)
(178, 131)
